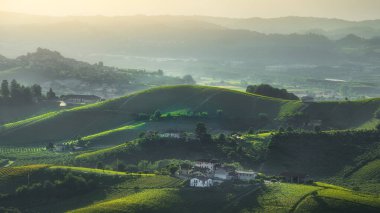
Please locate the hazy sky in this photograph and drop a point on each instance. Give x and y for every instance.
(345, 9)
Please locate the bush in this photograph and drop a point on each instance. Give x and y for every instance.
(377, 114)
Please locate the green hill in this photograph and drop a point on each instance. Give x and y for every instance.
(124, 192)
(239, 112)
(108, 115)
(313, 153)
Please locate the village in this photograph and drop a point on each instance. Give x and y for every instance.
(207, 173)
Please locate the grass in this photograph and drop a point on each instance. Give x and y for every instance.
(370, 171)
(154, 200)
(105, 118)
(98, 171)
(282, 197)
(349, 196)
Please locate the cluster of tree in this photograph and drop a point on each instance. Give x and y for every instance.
(268, 90)
(15, 93)
(70, 185)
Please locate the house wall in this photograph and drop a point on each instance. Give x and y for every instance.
(200, 183)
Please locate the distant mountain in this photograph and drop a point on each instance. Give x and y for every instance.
(332, 28)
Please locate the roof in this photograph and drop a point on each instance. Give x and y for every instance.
(90, 97)
(246, 172)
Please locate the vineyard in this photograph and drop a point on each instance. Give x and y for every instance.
(33, 155)
(10, 172)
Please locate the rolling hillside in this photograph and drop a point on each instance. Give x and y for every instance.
(125, 192)
(240, 111)
(116, 113)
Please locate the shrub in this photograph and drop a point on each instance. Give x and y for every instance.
(377, 114)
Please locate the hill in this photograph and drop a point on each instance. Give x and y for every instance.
(312, 153)
(118, 191)
(116, 113)
(66, 75)
(195, 103)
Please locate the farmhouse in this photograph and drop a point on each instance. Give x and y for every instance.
(209, 164)
(201, 182)
(245, 175)
(80, 99)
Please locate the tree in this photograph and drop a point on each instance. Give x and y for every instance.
(317, 129)
(377, 114)
(15, 89)
(121, 167)
(200, 130)
(188, 79)
(36, 91)
(222, 137)
(5, 89)
(268, 90)
(50, 146)
(160, 72)
(50, 95)
(378, 127)
(201, 133)
(100, 165)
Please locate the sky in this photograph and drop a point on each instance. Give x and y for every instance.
(343, 9)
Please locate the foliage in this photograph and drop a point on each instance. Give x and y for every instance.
(267, 90)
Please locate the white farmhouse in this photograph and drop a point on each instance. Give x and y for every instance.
(245, 175)
(201, 182)
(209, 164)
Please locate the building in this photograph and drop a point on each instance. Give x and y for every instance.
(293, 177)
(80, 99)
(201, 182)
(209, 164)
(245, 175)
(170, 135)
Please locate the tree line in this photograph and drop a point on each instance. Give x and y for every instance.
(15, 93)
(268, 90)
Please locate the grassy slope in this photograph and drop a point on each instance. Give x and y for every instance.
(320, 157)
(274, 198)
(347, 114)
(302, 198)
(10, 114)
(116, 113)
(92, 119)
(165, 194)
